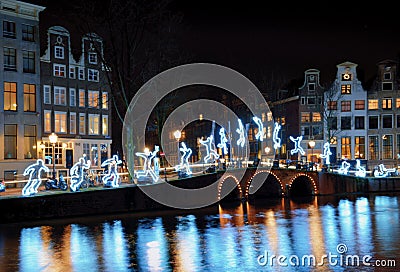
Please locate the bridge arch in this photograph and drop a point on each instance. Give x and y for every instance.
(302, 184)
(270, 179)
(237, 192)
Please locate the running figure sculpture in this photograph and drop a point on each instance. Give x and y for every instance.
(241, 141)
(148, 159)
(34, 181)
(210, 151)
(223, 142)
(327, 153)
(275, 137)
(297, 148)
(77, 173)
(184, 165)
(112, 176)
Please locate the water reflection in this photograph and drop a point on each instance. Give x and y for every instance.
(228, 237)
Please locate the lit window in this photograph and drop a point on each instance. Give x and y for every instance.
(72, 122)
(346, 77)
(94, 122)
(10, 96)
(59, 70)
(93, 99)
(59, 52)
(359, 148)
(387, 103)
(345, 106)
(305, 117)
(387, 147)
(346, 89)
(316, 117)
(346, 147)
(373, 104)
(46, 94)
(105, 125)
(82, 102)
(93, 75)
(104, 100)
(29, 97)
(47, 121)
(60, 122)
(332, 105)
(359, 105)
(82, 123)
(59, 95)
(398, 103)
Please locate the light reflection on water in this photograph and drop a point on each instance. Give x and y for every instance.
(221, 238)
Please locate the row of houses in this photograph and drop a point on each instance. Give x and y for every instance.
(49, 92)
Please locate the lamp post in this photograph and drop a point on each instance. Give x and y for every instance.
(177, 135)
(53, 140)
(267, 150)
(312, 145)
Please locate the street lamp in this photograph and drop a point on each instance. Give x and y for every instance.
(312, 145)
(53, 140)
(177, 135)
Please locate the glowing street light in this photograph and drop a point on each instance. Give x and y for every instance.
(177, 135)
(267, 150)
(312, 145)
(53, 140)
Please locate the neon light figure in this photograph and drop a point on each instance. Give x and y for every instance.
(147, 169)
(210, 151)
(275, 137)
(297, 147)
(344, 168)
(187, 152)
(361, 172)
(260, 132)
(34, 181)
(327, 153)
(77, 173)
(240, 130)
(382, 172)
(112, 175)
(224, 140)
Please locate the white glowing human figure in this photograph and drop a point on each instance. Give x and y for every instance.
(260, 133)
(241, 141)
(184, 164)
(223, 142)
(148, 160)
(297, 147)
(382, 172)
(112, 176)
(275, 137)
(361, 172)
(35, 172)
(77, 172)
(344, 168)
(211, 153)
(326, 153)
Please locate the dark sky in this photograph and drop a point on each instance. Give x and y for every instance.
(284, 38)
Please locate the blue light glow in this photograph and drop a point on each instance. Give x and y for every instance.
(327, 153)
(211, 153)
(361, 172)
(344, 168)
(147, 168)
(223, 142)
(242, 139)
(297, 148)
(382, 172)
(184, 164)
(275, 137)
(77, 173)
(34, 181)
(112, 175)
(260, 133)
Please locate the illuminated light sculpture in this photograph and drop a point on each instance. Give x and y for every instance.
(361, 172)
(147, 169)
(224, 140)
(382, 172)
(344, 168)
(241, 141)
(49, 158)
(34, 181)
(211, 153)
(184, 164)
(297, 148)
(260, 132)
(77, 173)
(112, 176)
(275, 137)
(327, 153)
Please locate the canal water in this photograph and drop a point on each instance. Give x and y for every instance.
(353, 233)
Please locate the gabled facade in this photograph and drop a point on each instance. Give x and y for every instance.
(311, 114)
(346, 112)
(75, 100)
(20, 108)
(384, 116)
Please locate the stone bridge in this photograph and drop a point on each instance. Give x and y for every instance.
(268, 183)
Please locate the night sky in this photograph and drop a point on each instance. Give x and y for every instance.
(282, 39)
